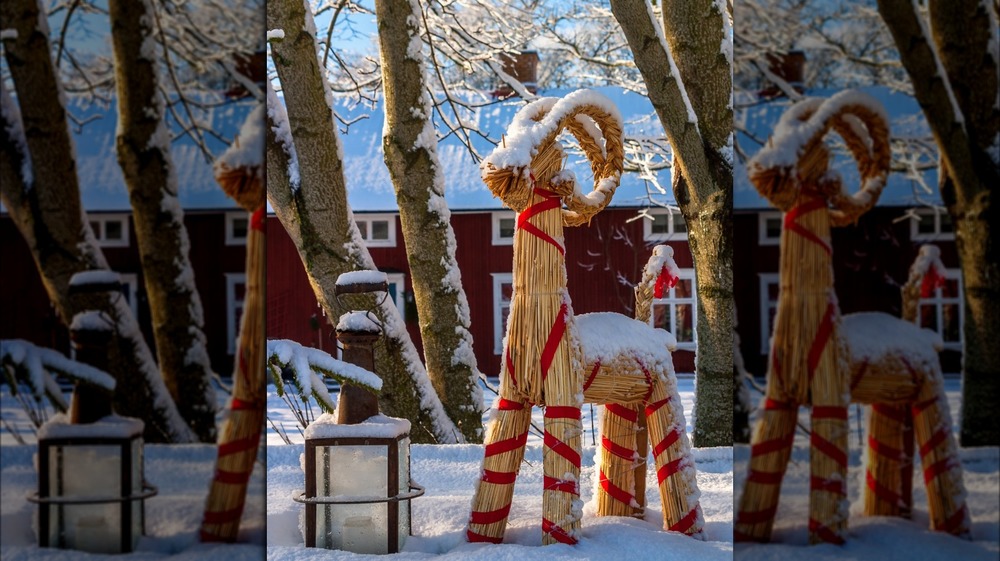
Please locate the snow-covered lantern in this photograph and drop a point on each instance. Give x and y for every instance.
(91, 491)
(357, 466)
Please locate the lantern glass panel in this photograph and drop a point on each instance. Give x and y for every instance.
(404, 487)
(86, 471)
(353, 471)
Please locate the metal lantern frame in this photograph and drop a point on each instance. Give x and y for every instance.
(49, 451)
(395, 496)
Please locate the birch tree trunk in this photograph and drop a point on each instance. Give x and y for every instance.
(697, 118)
(961, 109)
(45, 206)
(410, 147)
(143, 146)
(313, 208)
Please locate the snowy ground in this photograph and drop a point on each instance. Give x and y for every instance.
(881, 538)
(173, 517)
(449, 474)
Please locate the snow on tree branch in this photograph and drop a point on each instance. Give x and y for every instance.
(307, 365)
(35, 366)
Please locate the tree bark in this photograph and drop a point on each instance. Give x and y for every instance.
(410, 147)
(702, 176)
(965, 131)
(143, 146)
(48, 213)
(315, 213)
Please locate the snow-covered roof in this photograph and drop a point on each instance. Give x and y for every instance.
(369, 188)
(102, 187)
(905, 120)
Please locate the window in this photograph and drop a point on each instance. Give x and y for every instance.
(503, 228)
(676, 311)
(378, 230)
(397, 285)
(931, 224)
(942, 312)
(503, 289)
(769, 228)
(110, 230)
(130, 290)
(236, 286)
(770, 286)
(237, 228)
(663, 224)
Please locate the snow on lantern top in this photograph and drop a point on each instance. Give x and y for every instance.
(112, 426)
(359, 321)
(377, 426)
(355, 282)
(92, 320)
(100, 280)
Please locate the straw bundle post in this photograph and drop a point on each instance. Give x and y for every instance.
(942, 468)
(769, 453)
(616, 476)
(240, 436)
(505, 438)
(242, 431)
(674, 466)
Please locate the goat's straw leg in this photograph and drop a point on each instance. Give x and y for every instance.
(942, 468)
(770, 449)
(505, 438)
(675, 469)
(616, 473)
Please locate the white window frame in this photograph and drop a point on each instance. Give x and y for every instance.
(368, 219)
(231, 237)
(398, 279)
(671, 235)
(232, 326)
(766, 305)
(762, 218)
(499, 279)
(938, 301)
(497, 216)
(103, 219)
(130, 283)
(937, 235)
(672, 301)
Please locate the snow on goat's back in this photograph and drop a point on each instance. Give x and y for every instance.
(606, 336)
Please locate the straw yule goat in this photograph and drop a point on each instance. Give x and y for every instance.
(557, 361)
(821, 360)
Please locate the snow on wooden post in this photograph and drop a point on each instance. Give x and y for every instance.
(358, 331)
(91, 332)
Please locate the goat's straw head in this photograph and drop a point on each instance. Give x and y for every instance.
(865, 130)
(512, 185)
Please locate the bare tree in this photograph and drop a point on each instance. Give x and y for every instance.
(307, 188)
(143, 147)
(686, 66)
(951, 55)
(41, 192)
(410, 150)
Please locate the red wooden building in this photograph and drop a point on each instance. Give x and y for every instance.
(216, 227)
(604, 260)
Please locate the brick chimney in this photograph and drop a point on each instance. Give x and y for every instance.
(790, 67)
(523, 67)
